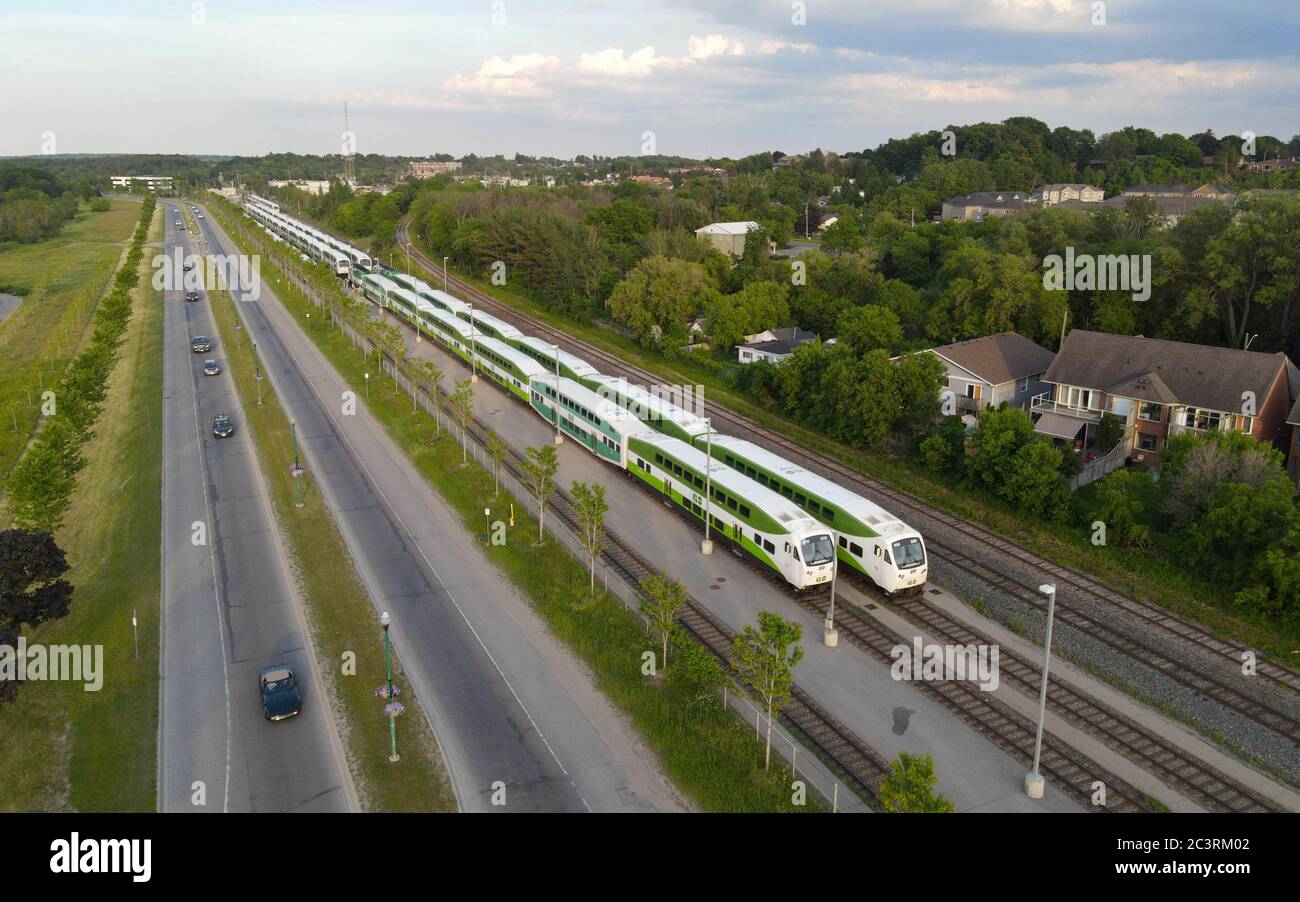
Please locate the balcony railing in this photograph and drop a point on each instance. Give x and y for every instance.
(1044, 404)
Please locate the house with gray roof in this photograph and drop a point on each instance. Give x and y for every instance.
(1293, 448)
(1159, 389)
(980, 205)
(992, 370)
(773, 345)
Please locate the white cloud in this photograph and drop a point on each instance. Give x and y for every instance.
(908, 87)
(713, 45)
(612, 61)
(517, 76)
(767, 48)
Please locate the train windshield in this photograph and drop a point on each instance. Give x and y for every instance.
(818, 550)
(909, 553)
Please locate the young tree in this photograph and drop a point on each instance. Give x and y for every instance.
(462, 409)
(664, 599)
(32, 589)
(1109, 431)
(497, 448)
(696, 665)
(539, 466)
(41, 484)
(428, 375)
(590, 507)
(909, 788)
(765, 660)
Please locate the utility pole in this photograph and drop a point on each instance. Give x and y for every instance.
(559, 439)
(1034, 780)
(473, 351)
(707, 546)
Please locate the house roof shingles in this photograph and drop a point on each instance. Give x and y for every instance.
(999, 358)
(1166, 372)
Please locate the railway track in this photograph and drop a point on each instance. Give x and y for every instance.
(1069, 581)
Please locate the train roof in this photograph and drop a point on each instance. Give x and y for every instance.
(500, 325)
(572, 361)
(620, 419)
(647, 405)
(383, 282)
(526, 365)
(411, 282)
(409, 296)
(777, 506)
(870, 513)
(453, 303)
(461, 327)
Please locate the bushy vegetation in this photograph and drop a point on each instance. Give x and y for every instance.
(41, 484)
(35, 204)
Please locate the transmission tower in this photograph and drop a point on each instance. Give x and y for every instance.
(349, 164)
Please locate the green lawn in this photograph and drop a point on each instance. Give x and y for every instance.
(63, 748)
(339, 609)
(63, 277)
(710, 755)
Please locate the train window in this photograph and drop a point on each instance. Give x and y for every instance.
(744, 511)
(799, 499)
(758, 539)
(769, 547)
(877, 549)
(659, 458)
(787, 491)
(677, 468)
(640, 463)
(814, 507)
(731, 461)
(844, 543)
(731, 503)
(828, 514)
(699, 483)
(762, 479)
(855, 549)
(885, 554)
(787, 547)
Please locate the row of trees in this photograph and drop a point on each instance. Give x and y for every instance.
(40, 486)
(35, 204)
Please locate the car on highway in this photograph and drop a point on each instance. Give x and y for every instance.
(191, 296)
(211, 368)
(280, 696)
(200, 343)
(222, 426)
(200, 215)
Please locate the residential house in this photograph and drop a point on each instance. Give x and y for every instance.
(774, 345)
(1277, 164)
(1050, 195)
(983, 204)
(729, 237)
(423, 169)
(1160, 389)
(993, 370)
(1173, 202)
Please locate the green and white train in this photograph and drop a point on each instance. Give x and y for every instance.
(596, 423)
(570, 365)
(654, 410)
(871, 540)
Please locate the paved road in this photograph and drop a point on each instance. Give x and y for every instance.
(890, 716)
(508, 703)
(228, 607)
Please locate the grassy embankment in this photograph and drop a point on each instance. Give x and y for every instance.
(63, 279)
(64, 748)
(339, 609)
(711, 756)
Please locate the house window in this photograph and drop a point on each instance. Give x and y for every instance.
(1154, 413)
(1199, 418)
(1147, 441)
(973, 391)
(1079, 398)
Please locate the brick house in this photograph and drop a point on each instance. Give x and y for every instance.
(1159, 389)
(988, 371)
(1293, 449)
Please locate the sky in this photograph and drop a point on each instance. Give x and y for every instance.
(694, 78)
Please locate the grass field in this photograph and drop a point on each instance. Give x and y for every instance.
(64, 748)
(339, 609)
(64, 278)
(1139, 574)
(709, 755)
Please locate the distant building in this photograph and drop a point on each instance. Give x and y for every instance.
(153, 183)
(1050, 195)
(993, 370)
(982, 204)
(1159, 389)
(311, 186)
(1173, 202)
(1277, 164)
(774, 345)
(423, 169)
(729, 237)
(654, 180)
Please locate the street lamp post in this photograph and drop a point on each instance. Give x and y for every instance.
(559, 439)
(707, 545)
(385, 621)
(831, 636)
(1033, 779)
(367, 388)
(297, 467)
(257, 374)
(444, 273)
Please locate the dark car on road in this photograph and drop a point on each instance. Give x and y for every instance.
(200, 343)
(280, 696)
(191, 295)
(211, 368)
(222, 426)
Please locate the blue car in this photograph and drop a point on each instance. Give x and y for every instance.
(280, 696)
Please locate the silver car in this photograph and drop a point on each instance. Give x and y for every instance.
(211, 368)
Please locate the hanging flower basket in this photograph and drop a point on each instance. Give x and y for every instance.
(382, 692)
(394, 709)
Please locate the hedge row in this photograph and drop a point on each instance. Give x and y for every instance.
(41, 484)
